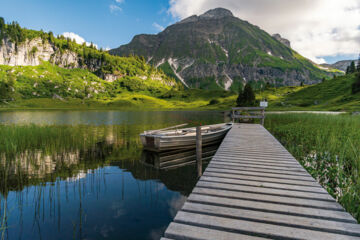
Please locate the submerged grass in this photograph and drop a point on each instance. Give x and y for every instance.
(328, 147)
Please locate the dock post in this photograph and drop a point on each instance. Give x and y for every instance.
(199, 150)
(263, 116)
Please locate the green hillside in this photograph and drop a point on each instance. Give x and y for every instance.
(334, 94)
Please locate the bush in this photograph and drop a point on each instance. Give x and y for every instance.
(214, 101)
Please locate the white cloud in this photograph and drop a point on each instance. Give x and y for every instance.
(78, 39)
(316, 28)
(120, 1)
(115, 8)
(158, 27)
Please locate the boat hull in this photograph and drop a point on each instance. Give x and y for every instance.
(160, 143)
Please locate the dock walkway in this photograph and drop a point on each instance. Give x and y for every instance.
(253, 188)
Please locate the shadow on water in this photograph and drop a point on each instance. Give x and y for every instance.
(98, 185)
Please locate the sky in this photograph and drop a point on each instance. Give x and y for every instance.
(321, 30)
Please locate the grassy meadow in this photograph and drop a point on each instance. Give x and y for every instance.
(332, 95)
(328, 147)
(137, 94)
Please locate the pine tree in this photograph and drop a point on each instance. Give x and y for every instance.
(352, 67)
(246, 97)
(356, 84)
(347, 70)
(358, 65)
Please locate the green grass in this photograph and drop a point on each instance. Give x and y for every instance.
(332, 95)
(46, 80)
(81, 89)
(328, 147)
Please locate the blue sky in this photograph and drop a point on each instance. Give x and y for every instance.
(107, 23)
(321, 30)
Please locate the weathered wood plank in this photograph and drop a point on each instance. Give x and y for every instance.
(266, 191)
(184, 231)
(264, 184)
(263, 179)
(259, 174)
(272, 207)
(256, 228)
(350, 229)
(268, 198)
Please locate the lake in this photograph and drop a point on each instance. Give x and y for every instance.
(82, 175)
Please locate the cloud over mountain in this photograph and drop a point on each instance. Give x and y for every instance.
(316, 28)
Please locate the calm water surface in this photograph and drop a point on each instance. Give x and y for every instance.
(100, 189)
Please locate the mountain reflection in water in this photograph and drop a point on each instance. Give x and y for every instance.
(96, 187)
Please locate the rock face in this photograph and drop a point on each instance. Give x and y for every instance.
(218, 50)
(28, 54)
(282, 40)
(33, 52)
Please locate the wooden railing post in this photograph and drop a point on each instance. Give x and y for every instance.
(252, 113)
(199, 150)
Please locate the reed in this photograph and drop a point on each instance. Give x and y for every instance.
(328, 147)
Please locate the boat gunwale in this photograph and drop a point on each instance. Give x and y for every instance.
(227, 126)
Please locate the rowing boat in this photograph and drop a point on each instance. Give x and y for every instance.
(185, 138)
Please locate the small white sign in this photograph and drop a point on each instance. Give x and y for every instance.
(263, 104)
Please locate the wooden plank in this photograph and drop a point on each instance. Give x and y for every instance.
(351, 229)
(264, 184)
(260, 163)
(253, 169)
(262, 174)
(265, 191)
(259, 160)
(184, 231)
(291, 201)
(242, 165)
(256, 228)
(248, 108)
(310, 184)
(340, 216)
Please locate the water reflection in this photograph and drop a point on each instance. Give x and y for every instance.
(93, 187)
(176, 158)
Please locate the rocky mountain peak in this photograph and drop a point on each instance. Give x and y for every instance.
(282, 40)
(217, 13)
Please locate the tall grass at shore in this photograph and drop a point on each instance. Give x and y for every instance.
(328, 147)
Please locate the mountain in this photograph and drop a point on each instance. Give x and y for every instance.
(217, 50)
(36, 64)
(340, 65)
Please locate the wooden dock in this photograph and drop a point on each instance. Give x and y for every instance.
(253, 188)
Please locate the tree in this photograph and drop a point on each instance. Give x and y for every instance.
(356, 84)
(323, 79)
(246, 97)
(352, 67)
(347, 70)
(2, 29)
(358, 65)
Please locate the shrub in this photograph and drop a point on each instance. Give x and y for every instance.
(214, 101)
